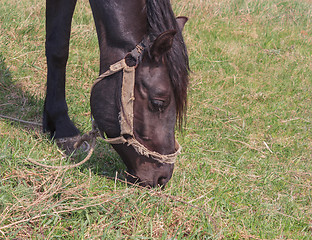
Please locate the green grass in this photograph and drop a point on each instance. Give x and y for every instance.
(245, 171)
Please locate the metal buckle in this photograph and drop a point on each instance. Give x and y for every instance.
(131, 61)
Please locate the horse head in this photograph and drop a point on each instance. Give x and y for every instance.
(154, 115)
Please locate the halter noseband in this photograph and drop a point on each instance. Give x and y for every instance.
(126, 108)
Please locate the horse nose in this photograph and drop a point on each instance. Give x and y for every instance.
(158, 182)
(164, 178)
(151, 176)
(162, 181)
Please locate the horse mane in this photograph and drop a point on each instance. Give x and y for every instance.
(160, 18)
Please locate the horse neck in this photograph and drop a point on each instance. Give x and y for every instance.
(121, 25)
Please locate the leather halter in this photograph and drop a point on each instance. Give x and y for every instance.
(126, 108)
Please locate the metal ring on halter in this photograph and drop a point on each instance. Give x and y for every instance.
(131, 61)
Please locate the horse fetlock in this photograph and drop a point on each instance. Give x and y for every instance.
(59, 125)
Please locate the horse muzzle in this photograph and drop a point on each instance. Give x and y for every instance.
(142, 170)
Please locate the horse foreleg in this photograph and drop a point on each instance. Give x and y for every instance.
(58, 25)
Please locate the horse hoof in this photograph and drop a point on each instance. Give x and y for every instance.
(67, 145)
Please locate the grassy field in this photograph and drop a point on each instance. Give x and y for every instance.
(246, 167)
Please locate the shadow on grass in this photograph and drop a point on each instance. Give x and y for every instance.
(17, 103)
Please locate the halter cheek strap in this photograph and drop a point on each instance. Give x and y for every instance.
(126, 109)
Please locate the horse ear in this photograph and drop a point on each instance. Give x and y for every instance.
(162, 44)
(181, 20)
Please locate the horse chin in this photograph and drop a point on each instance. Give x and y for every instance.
(142, 170)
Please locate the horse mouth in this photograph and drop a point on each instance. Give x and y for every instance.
(161, 182)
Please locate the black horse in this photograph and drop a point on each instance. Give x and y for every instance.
(161, 78)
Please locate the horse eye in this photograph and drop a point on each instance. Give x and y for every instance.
(157, 105)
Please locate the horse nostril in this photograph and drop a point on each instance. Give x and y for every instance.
(162, 181)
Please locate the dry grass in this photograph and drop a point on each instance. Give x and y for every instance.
(55, 197)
